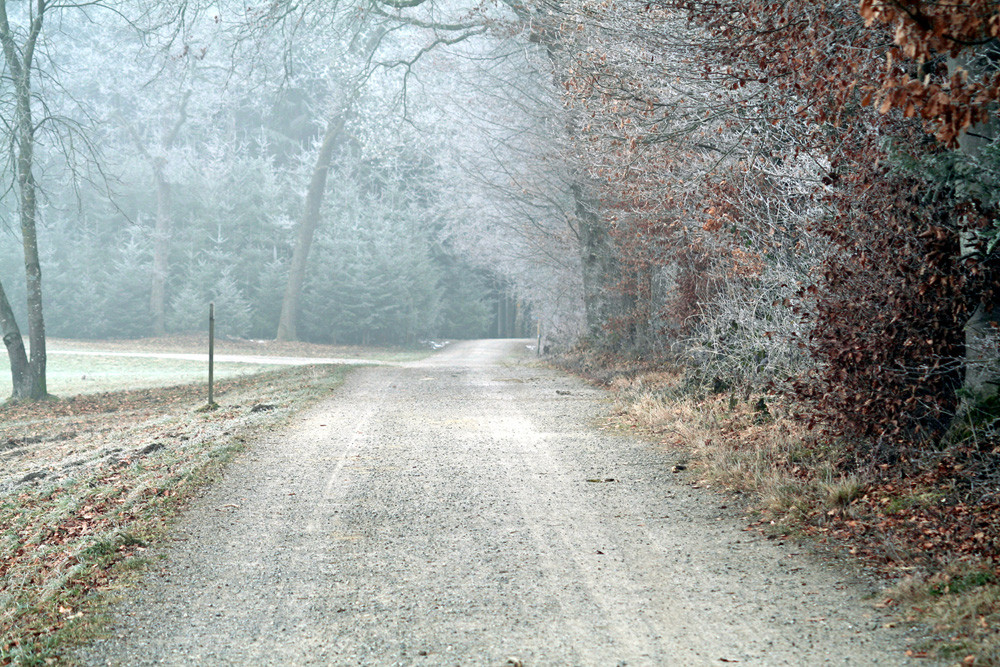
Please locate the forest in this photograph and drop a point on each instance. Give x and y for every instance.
(792, 197)
(797, 199)
(784, 211)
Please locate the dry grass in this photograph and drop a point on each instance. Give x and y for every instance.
(739, 445)
(962, 605)
(72, 537)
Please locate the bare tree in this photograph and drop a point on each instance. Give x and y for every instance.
(21, 39)
(306, 228)
(161, 231)
(19, 49)
(366, 38)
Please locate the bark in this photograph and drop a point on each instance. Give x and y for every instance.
(32, 271)
(502, 315)
(599, 265)
(288, 322)
(981, 379)
(15, 348)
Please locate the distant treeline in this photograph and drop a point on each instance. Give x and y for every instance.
(378, 272)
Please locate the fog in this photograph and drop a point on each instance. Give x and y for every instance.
(337, 173)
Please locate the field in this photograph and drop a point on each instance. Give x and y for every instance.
(72, 374)
(88, 367)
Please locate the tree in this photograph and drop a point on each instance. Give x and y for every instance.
(545, 24)
(361, 43)
(306, 228)
(21, 38)
(954, 86)
(19, 47)
(161, 233)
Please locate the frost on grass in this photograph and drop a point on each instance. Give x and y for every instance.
(71, 536)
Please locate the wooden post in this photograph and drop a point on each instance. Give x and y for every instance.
(538, 350)
(211, 353)
(504, 316)
(500, 315)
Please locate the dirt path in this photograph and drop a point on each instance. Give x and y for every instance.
(443, 513)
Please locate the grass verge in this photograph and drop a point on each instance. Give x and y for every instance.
(927, 524)
(78, 367)
(71, 537)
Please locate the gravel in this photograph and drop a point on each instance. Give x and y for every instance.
(465, 510)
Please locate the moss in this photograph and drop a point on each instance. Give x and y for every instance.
(979, 415)
(962, 583)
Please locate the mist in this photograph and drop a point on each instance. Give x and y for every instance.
(329, 174)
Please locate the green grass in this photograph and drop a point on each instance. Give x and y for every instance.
(961, 604)
(70, 374)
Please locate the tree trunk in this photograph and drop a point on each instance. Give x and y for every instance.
(288, 322)
(502, 315)
(598, 261)
(29, 239)
(30, 383)
(161, 251)
(33, 272)
(161, 227)
(14, 342)
(599, 265)
(981, 381)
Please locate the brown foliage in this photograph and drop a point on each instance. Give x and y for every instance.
(887, 309)
(887, 316)
(769, 131)
(927, 33)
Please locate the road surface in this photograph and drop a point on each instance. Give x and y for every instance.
(465, 510)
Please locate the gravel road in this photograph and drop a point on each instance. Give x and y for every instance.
(448, 512)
